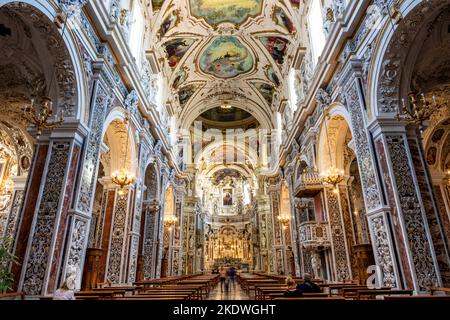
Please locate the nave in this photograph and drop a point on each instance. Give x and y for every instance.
(147, 144)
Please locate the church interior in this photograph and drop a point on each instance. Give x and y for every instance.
(150, 149)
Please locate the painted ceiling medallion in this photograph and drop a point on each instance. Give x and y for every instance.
(226, 57)
(176, 48)
(218, 11)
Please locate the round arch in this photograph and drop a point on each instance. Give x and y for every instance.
(391, 69)
(113, 129)
(189, 114)
(73, 77)
(339, 119)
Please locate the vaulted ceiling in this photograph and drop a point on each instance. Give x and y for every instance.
(235, 52)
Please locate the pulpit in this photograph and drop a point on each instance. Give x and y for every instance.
(91, 268)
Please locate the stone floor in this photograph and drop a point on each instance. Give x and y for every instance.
(233, 293)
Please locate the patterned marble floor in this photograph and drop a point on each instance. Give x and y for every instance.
(233, 293)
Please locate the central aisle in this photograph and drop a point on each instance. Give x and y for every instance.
(233, 293)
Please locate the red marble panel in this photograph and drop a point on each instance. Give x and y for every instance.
(68, 194)
(106, 233)
(400, 243)
(29, 205)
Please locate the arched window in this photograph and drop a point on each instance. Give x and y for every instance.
(316, 32)
(137, 31)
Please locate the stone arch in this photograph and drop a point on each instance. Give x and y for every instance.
(339, 130)
(396, 55)
(189, 115)
(68, 90)
(117, 131)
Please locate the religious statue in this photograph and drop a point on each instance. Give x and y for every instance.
(316, 264)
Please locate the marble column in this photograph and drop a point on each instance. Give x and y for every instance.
(45, 216)
(116, 270)
(338, 239)
(265, 233)
(149, 248)
(160, 224)
(11, 223)
(378, 212)
(419, 235)
(81, 209)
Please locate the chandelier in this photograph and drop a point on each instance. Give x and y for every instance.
(170, 221)
(123, 177)
(331, 176)
(40, 116)
(418, 110)
(284, 220)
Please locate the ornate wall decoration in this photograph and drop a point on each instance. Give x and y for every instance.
(11, 223)
(91, 157)
(391, 71)
(77, 248)
(382, 252)
(338, 237)
(348, 227)
(432, 213)
(149, 242)
(118, 239)
(363, 152)
(412, 214)
(39, 252)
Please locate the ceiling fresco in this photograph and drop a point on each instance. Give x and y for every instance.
(226, 57)
(218, 11)
(176, 49)
(212, 52)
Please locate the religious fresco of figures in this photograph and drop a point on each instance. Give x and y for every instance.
(217, 11)
(180, 77)
(271, 75)
(176, 48)
(227, 197)
(185, 93)
(157, 4)
(226, 57)
(276, 46)
(266, 90)
(171, 21)
(281, 19)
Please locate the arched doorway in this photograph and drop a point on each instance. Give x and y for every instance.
(352, 251)
(112, 209)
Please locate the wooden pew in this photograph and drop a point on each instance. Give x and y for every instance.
(433, 290)
(373, 293)
(12, 295)
(419, 297)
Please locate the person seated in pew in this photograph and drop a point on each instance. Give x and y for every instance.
(66, 291)
(306, 287)
(290, 283)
